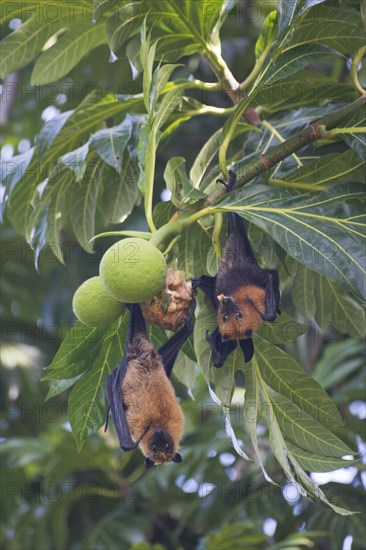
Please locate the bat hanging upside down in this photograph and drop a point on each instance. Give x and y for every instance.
(243, 294)
(141, 397)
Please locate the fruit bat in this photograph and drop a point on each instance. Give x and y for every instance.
(243, 294)
(141, 397)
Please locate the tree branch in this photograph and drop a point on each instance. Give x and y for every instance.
(230, 85)
(275, 155)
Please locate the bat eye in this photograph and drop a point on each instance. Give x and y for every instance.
(225, 318)
(238, 315)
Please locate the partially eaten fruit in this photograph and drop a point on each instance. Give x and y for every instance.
(172, 306)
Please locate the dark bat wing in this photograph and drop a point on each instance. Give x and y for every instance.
(236, 226)
(114, 393)
(220, 349)
(247, 347)
(115, 381)
(137, 322)
(169, 351)
(272, 297)
(207, 285)
(235, 222)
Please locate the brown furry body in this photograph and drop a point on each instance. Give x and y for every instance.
(149, 398)
(239, 277)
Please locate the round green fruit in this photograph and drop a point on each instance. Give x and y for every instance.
(133, 270)
(94, 306)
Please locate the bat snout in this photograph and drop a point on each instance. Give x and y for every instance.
(161, 444)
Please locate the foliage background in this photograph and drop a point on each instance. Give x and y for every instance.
(54, 497)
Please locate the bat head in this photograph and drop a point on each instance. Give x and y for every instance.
(161, 449)
(238, 315)
(231, 319)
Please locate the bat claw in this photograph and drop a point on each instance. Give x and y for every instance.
(226, 185)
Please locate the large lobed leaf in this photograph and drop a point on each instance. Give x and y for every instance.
(325, 232)
(84, 359)
(183, 27)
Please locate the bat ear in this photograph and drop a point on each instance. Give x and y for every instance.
(177, 458)
(225, 300)
(149, 463)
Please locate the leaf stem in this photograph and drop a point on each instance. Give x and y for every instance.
(149, 189)
(201, 85)
(124, 233)
(257, 67)
(297, 186)
(216, 234)
(350, 130)
(169, 230)
(354, 69)
(227, 80)
(211, 110)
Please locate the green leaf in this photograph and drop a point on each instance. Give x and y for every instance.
(147, 58)
(167, 106)
(284, 329)
(70, 48)
(59, 386)
(76, 352)
(346, 167)
(120, 190)
(267, 33)
(251, 410)
(75, 160)
(286, 13)
(87, 404)
(21, 46)
(21, 197)
(221, 382)
(57, 139)
(49, 132)
(299, 89)
(193, 247)
(234, 537)
(291, 62)
(291, 467)
(12, 171)
(343, 37)
(303, 292)
(305, 432)
(182, 27)
(178, 183)
(163, 211)
(339, 362)
(84, 205)
(352, 134)
(204, 161)
(45, 221)
(111, 142)
(324, 233)
(328, 13)
(185, 370)
(281, 372)
(336, 307)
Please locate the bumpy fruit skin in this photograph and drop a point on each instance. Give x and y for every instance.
(93, 305)
(170, 308)
(133, 270)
